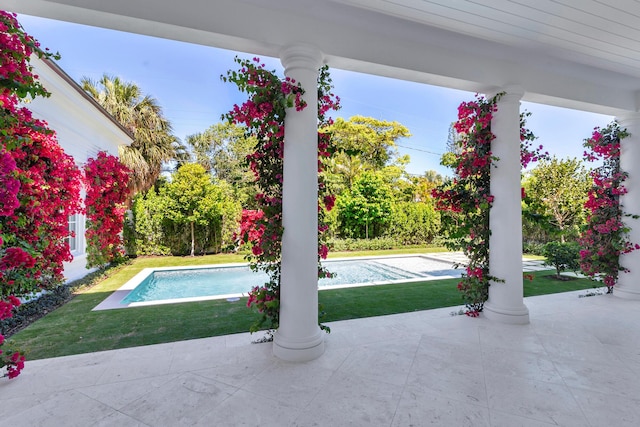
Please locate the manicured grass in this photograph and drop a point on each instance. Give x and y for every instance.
(353, 303)
(74, 328)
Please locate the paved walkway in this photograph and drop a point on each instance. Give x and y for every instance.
(528, 265)
(576, 364)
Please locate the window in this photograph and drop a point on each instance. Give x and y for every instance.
(73, 233)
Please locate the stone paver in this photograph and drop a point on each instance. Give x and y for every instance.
(575, 364)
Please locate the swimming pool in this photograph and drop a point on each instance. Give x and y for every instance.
(231, 281)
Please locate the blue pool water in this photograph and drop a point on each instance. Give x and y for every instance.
(214, 281)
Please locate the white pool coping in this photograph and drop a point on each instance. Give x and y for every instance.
(114, 301)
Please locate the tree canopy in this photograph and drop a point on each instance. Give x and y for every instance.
(556, 190)
(222, 150)
(154, 142)
(191, 198)
(366, 207)
(372, 140)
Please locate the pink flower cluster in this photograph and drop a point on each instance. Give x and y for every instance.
(465, 201)
(251, 231)
(15, 362)
(15, 49)
(601, 146)
(106, 182)
(261, 297)
(39, 184)
(606, 236)
(263, 117)
(476, 116)
(528, 154)
(6, 308)
(9, 184)
(14, 258)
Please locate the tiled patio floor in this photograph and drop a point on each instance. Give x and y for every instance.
(576, 364)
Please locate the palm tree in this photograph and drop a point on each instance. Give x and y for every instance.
(153, 142)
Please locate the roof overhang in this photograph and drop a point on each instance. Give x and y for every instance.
(568, 53)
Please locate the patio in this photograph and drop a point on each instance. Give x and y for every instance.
(572, 361)
(565, 53)
(576, 363)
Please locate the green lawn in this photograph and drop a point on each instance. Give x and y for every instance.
(74, 328)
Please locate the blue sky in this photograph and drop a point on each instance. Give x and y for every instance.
(185, 79)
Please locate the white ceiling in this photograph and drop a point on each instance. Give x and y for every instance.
(596, 33)
(581, 54)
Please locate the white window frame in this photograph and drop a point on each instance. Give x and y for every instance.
(73, 222)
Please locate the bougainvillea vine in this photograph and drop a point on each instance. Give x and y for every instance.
(39, 185)
(465, 201)
(606, 236)
(106, 182)
(263, 117)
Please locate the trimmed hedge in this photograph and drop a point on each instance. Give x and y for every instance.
(379, 243)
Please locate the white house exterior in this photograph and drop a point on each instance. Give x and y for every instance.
(83, 129)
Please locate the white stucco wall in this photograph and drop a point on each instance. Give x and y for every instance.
(83, 129)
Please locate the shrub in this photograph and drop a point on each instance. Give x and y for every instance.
(346, 245)
(380, 243)
(149, 235)
(562, 256)
(414, 223)
(532, 247)
(36, 308)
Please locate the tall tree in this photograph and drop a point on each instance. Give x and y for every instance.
(453, 140)
(372, 139)
(222, 150)
(556, 190)
(367, 207)
(362, 144)
(192, 199)
(424, 184)
(341, 171)
(141, 114)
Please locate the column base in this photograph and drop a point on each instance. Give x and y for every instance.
(519, 316)
(627, 293)
(303, 350)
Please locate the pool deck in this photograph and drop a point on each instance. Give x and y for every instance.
(576, 364)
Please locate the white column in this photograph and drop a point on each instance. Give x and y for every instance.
(299, 337)
(628, 285)
(505, 303)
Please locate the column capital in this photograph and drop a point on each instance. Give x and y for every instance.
(301, 55)
(512, 93)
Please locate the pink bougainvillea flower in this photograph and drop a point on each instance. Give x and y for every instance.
(269, 98)
(605, 236)
(464, 200)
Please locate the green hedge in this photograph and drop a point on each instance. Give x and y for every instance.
(380, 243)
(414, 223)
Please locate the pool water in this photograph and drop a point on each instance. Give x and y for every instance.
(231, 280)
